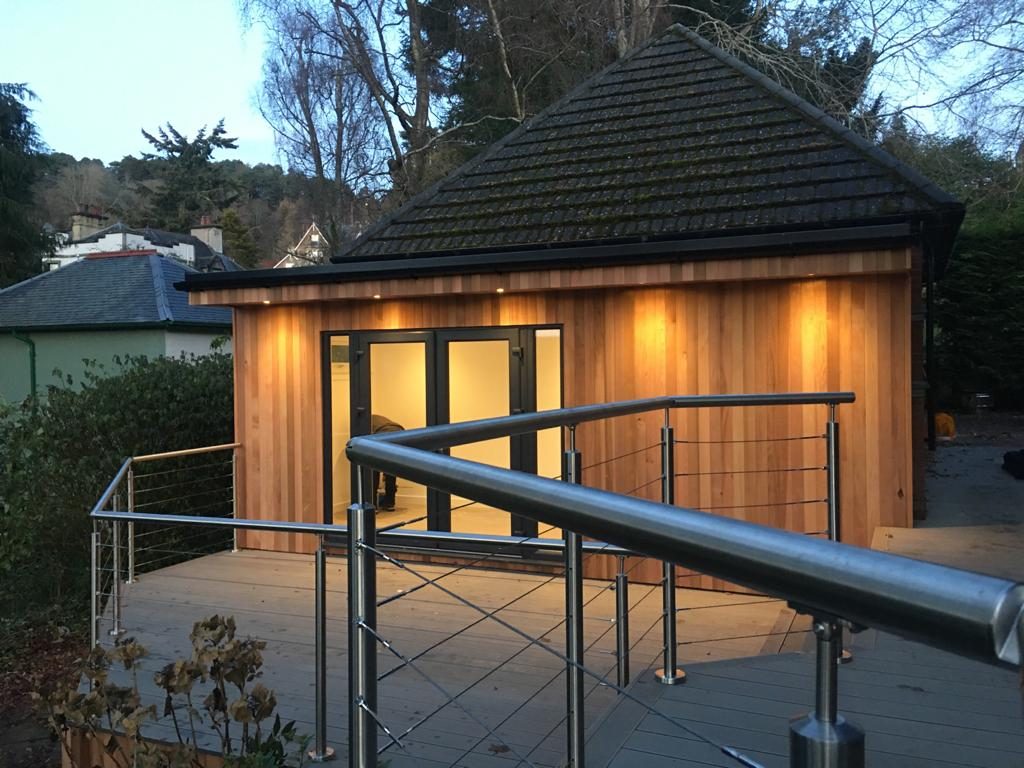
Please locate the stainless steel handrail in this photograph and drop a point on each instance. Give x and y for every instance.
(108, 493)
(961, 611)
(387, 539)
(448, 435)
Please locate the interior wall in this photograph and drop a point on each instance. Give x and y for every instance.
(398, 391)
(807, 335)
(478, 388)
(548, 342)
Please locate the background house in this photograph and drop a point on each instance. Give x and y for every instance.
(202, 249)
(99, 306)
(311, 249)
(678, 224)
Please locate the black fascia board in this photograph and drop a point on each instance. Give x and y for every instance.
(651, 251)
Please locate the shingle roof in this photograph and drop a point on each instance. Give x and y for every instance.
(676, 141)
(110, 290)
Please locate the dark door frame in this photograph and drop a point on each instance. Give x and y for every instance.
(523, 450)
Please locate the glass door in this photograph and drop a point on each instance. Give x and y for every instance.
(393, 376)
(480, 376)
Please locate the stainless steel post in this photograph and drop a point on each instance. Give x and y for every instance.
(234, 497)
(362, 611)
(94, 583)
(115, 583)
(670, 673)
(320, 752)
(832, 493)
(832, 471)
(131, 526)
(824, 738)
(622, 624)
(574, 688)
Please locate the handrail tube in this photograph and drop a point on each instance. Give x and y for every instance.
(448, 435)
(389, 538)
(109, 492)
(186, 452)
(960, 611)
(281, 526)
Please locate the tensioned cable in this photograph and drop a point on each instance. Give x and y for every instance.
(757, 506)
(412, 665)
(222, 463)
(752, 471)
(464, 566)
(139, 491)
(644, 485)
(751, 440)
(507, 661)
(183, 498)
(558, 674)
(620, 456)
(726, 750)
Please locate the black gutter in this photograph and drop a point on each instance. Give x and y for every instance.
(644, 252)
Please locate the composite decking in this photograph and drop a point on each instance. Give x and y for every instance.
(499, 678)
(919, 708)
(744, 655)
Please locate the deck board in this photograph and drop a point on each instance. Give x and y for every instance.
(918, 706)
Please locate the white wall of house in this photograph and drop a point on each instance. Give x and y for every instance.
(118, 241)
(176, 343)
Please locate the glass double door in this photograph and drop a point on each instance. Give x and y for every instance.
(410, 379)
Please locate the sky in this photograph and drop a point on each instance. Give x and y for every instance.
(103, 70)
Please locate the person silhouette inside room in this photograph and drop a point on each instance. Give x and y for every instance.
(384, 500)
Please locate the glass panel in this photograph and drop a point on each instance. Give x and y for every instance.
(549, 396)
(478, 388)
(341, 428)
(398, 400)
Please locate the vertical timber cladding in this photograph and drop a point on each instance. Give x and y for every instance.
(837, 333)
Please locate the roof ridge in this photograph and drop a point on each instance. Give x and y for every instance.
(488, 151)
(818, 116)
(163, 305)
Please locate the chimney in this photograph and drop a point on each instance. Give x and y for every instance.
(209, 233)
(88, 220)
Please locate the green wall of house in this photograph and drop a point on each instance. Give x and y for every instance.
(67, 352)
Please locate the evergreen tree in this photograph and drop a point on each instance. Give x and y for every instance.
(238, 243)
(22, 240)
(190, 184)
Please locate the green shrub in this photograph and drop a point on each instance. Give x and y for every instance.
(57, 459)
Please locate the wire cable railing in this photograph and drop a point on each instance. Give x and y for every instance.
(839, 586)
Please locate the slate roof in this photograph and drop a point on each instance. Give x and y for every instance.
(678, 151)
(678, 140)
(124, 290)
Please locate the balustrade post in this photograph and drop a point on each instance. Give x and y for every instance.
(832, 493)
(131, 525)
(824, 738)
(670, 673)
(362, 612)
(622, 623)
(115, 584)
(572, 466)
(94, 582)
(234, 497)
(320, 752)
